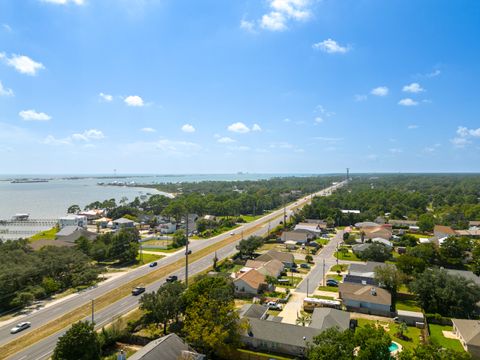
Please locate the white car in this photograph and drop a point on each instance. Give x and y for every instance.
(20, 327)
(232, 233)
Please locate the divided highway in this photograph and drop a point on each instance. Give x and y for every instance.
(44, 348)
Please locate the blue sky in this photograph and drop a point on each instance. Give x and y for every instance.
(216, 86)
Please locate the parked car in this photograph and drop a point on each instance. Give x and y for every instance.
(232, 233)
(172, 278)
(153, 264)
(20, 327)
(305, 266)
(294, 270)
(272, 305)
(332, 282)
(138, 290)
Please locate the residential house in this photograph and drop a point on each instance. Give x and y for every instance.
(252, 282)
(324, 318)
(465, 274)
(384, 232)
(322, 223)
(365, 299)
(366, 224)
(210, 217)
(272, 268)
(347, 211)
(72, 233)
(263, 333)
(92, 214)
(123, 223)
(383, 241)
(167, 228)
(402, 223)
(316, 229)
(296, 236)
(72, 220)
(441, 231)
(472, 232)
(363, 273)
(102, 223)
(358, 249)
(286, 258)
(169, 347)
(474, 223)
(468, 332)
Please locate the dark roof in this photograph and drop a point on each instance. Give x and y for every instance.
(280, 333)
(326, 318)
(168, 347)
(253, 311)
(273, 254)
(72, 233)
(123, 221)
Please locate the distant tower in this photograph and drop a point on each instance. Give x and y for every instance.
(348, 172)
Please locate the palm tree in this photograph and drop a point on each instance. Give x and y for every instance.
(401, 329)
(303, 318)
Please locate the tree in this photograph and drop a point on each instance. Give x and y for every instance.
(453, 250)
(401, 329)
(247, 247)
(374, 343)
(83, 244)
(410, 265)
(426, 222)
(376, 252)
(389, 278)
(332, 344)
(219, 288)
(427, 252)
(179, 239)
(303, 318)
(445, 294)
(73, 209)
(308, 258)
(271, 280)
(215, 261)
(163, 306)
(80, 342)
(212, 326)
(124, 246)
(432, 352)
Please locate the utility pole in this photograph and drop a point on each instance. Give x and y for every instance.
(348, 176)
(186, 253)
(307, 287)
(93, 311)
(284, 215)
(323, 273)
(141, 252)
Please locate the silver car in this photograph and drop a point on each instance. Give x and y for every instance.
(20, 327)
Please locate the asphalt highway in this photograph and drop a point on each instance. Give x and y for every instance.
(44, 348)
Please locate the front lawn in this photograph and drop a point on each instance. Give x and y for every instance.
(45, 235)
(296, 280)
(349, 256)
(412, 334)
(328, 288)
(436, 336)
(148, 258)
(409, 305)
(341, 267)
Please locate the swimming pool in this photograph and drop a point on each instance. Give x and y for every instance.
(393, 347)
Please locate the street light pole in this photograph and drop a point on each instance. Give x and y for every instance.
(93, 311)
(186, 253)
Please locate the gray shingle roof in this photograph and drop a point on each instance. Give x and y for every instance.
(253, 311)
(168, 347)
(326, 318)
(469, 330)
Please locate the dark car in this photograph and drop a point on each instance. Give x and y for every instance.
(153, 264)
(172, 278)
(293, 270)
(305, 266)
(138, 290)
(332, 282)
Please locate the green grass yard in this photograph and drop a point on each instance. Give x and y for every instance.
(328, 288)
(436, 336)
(350, 256)
(45, 235)
(412, 333)
(409, 305)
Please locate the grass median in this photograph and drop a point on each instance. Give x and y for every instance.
(111, 297)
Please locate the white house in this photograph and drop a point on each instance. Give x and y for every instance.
(72, 220)
(167, 228)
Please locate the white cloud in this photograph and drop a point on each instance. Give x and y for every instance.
(256, 127)
(380, 91)
(87, 135)
(188, 128)
(64, 2)
(106, 97)
(434, 73)
(7, 27)
(247, 25)
(4, 91)
(318, 120)
(281, 145)
(359, 98)
(463, 136)
(239, 148)
(52, 140)
(460, 142)
(395, 151)
(330, 47)
(287, 120)
(413, 88)
(238, 127)
(408, 102)
(412, 127)
(465, 132)
(282, 11)
(331, 140)
(134, 100)
(148, 129)
(226, 140)
(32, 115)
(23, 64)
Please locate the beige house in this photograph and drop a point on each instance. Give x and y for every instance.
(468, 332)
(367, 299)
(286, 258)
(251, 282)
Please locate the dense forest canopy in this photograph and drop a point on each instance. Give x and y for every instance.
(450, 199)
